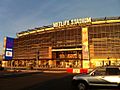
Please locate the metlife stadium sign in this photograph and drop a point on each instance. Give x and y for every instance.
(8, 48)
(72, 22)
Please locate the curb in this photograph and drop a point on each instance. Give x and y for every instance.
(54, 71)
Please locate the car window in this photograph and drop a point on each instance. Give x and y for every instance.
(100, 72)
(112, 71)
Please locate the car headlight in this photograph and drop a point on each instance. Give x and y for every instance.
(74, 78)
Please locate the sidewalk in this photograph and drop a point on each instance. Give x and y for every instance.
(15, 73)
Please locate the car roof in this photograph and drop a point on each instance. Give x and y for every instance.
(111, 66)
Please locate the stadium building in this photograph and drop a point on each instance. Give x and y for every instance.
(83, 42)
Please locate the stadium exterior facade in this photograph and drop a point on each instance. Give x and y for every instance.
(84, 42)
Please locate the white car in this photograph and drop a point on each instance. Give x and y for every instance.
(108, 76)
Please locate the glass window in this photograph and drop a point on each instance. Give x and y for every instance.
(112, 71)
(99, 72)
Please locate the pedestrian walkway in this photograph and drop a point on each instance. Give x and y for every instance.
(14, 73)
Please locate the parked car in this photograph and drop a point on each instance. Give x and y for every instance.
(108, 76)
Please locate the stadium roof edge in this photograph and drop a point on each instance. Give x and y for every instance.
(106, 18)
(51, 26)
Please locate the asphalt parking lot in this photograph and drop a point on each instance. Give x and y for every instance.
(39, 81)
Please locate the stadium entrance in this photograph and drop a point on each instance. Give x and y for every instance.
(67, 57)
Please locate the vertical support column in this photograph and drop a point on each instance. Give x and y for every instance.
(50, 63)
(11, 64)
(85, 49)
(37, 59)
(50, 53)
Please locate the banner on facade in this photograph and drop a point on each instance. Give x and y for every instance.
(85, 50)
(8, 48)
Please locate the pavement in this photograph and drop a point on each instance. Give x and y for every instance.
(15, 73)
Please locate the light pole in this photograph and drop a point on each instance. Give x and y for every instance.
(109, 60)
(37, 59)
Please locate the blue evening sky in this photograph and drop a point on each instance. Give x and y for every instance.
(20, 15)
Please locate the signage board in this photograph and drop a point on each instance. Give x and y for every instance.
(8, 48)
(72, 22)
(85, 51)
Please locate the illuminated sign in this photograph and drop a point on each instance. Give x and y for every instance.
(8, 48)
(72, 22)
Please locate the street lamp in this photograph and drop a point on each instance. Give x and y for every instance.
(109, 60)
(37, 59)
